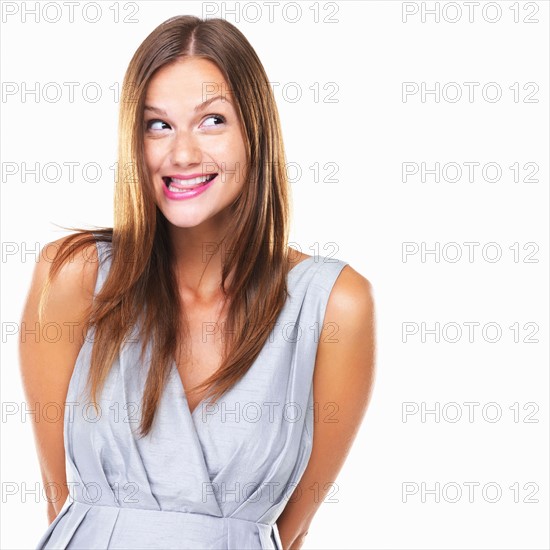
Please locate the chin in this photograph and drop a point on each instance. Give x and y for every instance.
(184, 223)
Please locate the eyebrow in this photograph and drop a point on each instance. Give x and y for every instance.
(198, 108)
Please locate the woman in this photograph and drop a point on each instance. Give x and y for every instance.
(197, 336)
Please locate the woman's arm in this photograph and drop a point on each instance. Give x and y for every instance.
(343, 378)
(47, 362)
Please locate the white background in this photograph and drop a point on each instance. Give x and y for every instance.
(367, 214)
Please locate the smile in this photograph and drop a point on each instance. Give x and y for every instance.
(178, 189)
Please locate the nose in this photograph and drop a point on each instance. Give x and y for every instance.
(185, 149)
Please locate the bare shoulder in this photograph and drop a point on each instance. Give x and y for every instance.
(66, 310)
(345, 362)
(351, 298)
(82, 264)
(77, 276)
(71, 289)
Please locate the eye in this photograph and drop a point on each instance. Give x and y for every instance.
(219, 117)
(155, 121)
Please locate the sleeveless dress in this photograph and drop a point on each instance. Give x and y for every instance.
(217, 478)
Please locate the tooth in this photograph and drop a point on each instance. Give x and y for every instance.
(190, 183)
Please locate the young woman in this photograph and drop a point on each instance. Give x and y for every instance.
(209, 375)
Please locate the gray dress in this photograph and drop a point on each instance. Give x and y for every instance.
(217, 478)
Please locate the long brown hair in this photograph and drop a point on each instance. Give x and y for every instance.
(141, 272)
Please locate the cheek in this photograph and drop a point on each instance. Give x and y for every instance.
(152, 154)
(147, 155)
(237, 153)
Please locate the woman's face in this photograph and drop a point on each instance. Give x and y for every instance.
(186, 141)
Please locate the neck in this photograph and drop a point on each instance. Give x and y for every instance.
(198, 258)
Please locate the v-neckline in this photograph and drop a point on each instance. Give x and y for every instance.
(175, 366)
(183, 392)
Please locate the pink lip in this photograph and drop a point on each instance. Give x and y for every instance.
(188, 194)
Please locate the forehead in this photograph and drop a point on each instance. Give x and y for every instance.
(189, 80)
